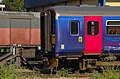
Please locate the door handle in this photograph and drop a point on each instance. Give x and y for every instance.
(80, 39)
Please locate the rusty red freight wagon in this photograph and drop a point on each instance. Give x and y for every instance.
(19, 29)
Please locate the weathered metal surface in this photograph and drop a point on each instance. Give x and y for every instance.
(10, 14)
(35, 36)
(28, 53)
(15, 28)
(20, 36)
(4, 36)
(20, 23)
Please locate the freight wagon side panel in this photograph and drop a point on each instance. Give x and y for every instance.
(4, 32)
(20, 30)
(35, 32)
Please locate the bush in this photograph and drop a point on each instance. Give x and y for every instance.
(8, 72)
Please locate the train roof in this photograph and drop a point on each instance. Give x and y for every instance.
(20, 14)
(85, 10)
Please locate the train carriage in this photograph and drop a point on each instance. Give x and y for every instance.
(85, 34)
(20, 29)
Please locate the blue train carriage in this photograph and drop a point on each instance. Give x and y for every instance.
(81, 36)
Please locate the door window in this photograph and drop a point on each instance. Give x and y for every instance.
(74, 28)
(92, 27)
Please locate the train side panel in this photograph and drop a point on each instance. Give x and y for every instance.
(35, 32)
(4, 32)
(69, 35)
(25, 31)
(111, 34)
(20, 31)
(19, 28)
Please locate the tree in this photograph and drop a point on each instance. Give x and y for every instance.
(15, 5)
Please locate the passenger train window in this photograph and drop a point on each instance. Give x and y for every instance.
(113, 22)
(93, 28)
(74, 28)
(113, 27)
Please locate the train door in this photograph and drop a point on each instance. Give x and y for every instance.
(93, 35)
(75, 34)
(69, 34)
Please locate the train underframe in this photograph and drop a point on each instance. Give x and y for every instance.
(17, 54)
(86, 62)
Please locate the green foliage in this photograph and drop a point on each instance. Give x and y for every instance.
(108, 73)
(8, 72)
(15, 5)
(62, 73)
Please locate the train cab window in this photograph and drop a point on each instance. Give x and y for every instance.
(113, 27)
(74, 28)
(93, 28)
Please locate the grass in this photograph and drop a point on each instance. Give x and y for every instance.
(29, 74)
(62, 73)
(8, 72)
(11, 72)
(108, 73)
